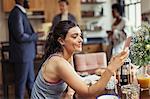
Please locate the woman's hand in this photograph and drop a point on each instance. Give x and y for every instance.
(110, 35)
(118, 60)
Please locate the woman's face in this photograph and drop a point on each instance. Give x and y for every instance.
(73, 40)
(115, 13)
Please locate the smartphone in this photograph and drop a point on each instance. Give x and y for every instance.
(127, 42)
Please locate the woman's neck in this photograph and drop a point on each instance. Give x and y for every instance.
(118, 18)
(117, 21)
(65, 55)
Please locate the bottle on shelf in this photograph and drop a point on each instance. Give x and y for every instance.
(97, 10)
(84, 37)
(102, 11)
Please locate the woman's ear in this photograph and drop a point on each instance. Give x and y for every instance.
(61, 41)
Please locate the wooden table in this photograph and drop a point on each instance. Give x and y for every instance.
(143, 94)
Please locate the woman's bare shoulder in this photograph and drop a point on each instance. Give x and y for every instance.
(52, 64)
(57, 61)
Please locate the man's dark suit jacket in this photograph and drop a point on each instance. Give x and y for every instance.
(21, 36)
(57, 19)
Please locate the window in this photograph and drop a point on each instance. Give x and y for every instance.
(133, 11)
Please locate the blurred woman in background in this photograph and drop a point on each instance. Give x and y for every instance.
(121, 30)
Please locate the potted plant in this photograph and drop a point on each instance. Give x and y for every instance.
(140, 54)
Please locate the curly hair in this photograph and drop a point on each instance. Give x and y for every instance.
(118, 8)
(52, 45)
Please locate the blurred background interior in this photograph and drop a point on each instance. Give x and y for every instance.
(93, 16)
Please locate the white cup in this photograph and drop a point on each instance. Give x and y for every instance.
(108, 97)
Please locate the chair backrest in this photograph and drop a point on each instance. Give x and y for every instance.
(7, 66)
(5, 51)
(89, 62)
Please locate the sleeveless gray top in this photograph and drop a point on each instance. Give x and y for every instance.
(45, 90)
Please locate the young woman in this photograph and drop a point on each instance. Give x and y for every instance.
(57, 73)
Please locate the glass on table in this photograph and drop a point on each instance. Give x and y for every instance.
(131, 91)
(143, 78)
(88, 82)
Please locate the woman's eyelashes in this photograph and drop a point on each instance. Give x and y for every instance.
(76, 35)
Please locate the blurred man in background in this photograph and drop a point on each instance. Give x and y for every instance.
(22, 48)
(64, 15)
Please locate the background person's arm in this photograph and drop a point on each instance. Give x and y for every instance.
(18, 29)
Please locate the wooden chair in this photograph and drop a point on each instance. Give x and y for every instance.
(7, 68)
(87, 63)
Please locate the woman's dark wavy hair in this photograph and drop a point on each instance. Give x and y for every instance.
(118, 7)
(52, 45)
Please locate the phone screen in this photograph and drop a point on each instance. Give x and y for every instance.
(127, 42)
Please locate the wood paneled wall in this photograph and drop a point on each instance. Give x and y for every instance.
(8, 5)
(52, 8)
(75, 8)
(35, 5)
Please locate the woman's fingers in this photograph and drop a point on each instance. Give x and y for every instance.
(123, 53)
(124, 56)
(118, 60)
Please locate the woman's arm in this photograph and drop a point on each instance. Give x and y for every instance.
(100, 71)
(67, 73)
